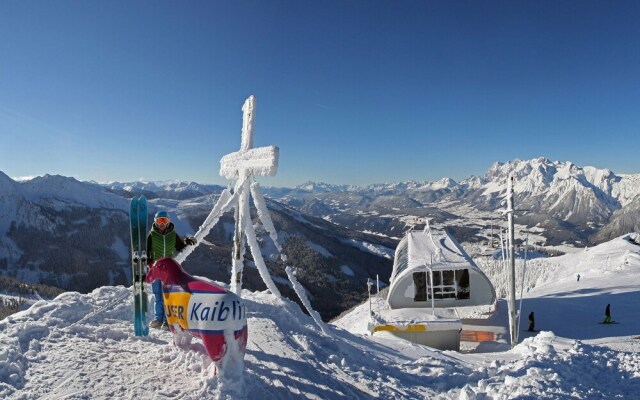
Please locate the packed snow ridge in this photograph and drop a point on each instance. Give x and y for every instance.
(82, 346)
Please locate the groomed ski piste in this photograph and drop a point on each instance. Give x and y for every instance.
(82, 346)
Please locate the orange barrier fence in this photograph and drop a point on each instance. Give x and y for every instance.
(477, 336)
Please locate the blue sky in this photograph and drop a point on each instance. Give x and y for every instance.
(351, 91)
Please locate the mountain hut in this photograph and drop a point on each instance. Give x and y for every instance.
(432, 275)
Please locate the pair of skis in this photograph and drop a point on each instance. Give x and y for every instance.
(139, 226)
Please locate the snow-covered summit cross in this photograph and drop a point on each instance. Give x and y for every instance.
(262, 161)
(241, 166)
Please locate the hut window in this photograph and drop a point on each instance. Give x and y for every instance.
(462, 283)
(420, 283)
(451, 284)
(447, 278)
(436, 279)
(443, 287)
(447, 288)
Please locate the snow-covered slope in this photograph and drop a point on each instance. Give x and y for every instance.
(10, 198)
(60, 191)
(23, 203)
(626, 219)
(62, 232)
(82, 346)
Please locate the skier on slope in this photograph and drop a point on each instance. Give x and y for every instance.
(532, 322)
(163, 241)
(607, 314)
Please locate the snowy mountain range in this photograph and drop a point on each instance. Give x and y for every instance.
(62, 232)
(560, 201)
(175, 190)
(74, 235)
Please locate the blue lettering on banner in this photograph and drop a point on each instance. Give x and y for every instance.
(174, 311)
(224, 310)
(205, 313)
(221, 311)
(194, 311)
(213, 314)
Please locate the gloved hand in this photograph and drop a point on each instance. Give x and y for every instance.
(190, 240)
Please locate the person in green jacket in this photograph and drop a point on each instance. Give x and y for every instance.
(163, 241)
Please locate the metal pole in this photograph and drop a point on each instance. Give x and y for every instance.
(512, 265)
(433, 304)
(237, 246)
(369, 284)
(524, 271)
(242, 191)
(433, 308)
(491, 237)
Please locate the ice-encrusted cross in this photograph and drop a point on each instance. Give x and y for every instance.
(262, 161)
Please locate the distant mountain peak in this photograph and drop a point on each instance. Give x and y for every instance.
(6, 181)
(446, 183)
(311, 186)
(542, 166)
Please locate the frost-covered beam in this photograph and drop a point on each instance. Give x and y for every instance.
(262, 161)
